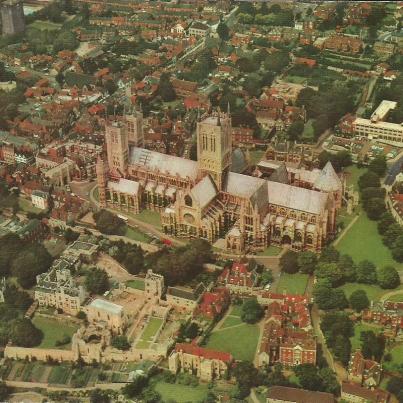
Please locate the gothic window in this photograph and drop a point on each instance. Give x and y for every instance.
(309, 240)
(313, 219)
(188, 201)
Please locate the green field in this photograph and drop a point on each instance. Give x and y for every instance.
(181, 393)
(374, 292)
(361, 327)
(45, 25)
(396, 298)
(270, 251)
(27, 206)
(308, 132)
(396, 363)
(362, 242)
(53, 331)
(353, 173)
(231, 321)
(149, 217)
(137, 284)
(60, 374)
(240, 341)
(149, 332)
(292, 283)
(137, 235)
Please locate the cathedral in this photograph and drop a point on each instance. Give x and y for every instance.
(210, 199)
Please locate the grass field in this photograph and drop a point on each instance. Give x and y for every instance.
(396, 363)
(353, 173)
(270, 251)
(362, 242)
(361, 327)
(136, 235)
(396, 298)
(231, 321)
(292, 283)
(27, 206)
(150, 217)
(308, 132)
(181, 393)
(374, 292)
(137, 284)
(45, 25)
(54, 330)
(149, 332)
(240, 341)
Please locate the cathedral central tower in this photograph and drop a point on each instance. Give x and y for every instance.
(214, 147)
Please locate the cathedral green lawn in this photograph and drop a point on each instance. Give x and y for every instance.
(241, 341)
(149, 217)
(136, 235)
(231, 321)
(181, 393)
(292, 283)
(396, 298)
(271, 251)
(54, 330)
(150, 330)
(374, 292)
(353, 173)
(362, 242)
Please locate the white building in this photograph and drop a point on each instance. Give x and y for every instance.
(40, 199)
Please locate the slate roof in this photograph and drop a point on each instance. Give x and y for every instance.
(280, 174)
(186, 292)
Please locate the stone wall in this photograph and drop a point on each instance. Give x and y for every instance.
(41, 354)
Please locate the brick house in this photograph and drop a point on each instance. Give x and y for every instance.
(365, 372)
(213, 304)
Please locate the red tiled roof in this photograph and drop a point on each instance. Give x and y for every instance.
(203, 352)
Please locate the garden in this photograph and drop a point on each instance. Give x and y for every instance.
(153, 325)
(292, 283)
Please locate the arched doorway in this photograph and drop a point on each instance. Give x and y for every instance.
(286, 240)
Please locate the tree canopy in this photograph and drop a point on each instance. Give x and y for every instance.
(96, 281)
(252, 311)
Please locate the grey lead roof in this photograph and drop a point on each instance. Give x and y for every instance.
(168, 164)
(204, 192)
(328, 180)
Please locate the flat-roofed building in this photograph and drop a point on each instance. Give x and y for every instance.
(112, 315)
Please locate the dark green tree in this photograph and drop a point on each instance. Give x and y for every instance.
(24, 334)
(388, 277)
(366, 272)
(369, 180)
(385, 221)
(252, 311)
(378, 165)
(121, 342)
(165, 88)
(307, 262)
(375, 208)
(289, 262)
(359, 300)
(329, 255)
(96, 281)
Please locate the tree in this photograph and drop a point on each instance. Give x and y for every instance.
(330, 272)
(13, 297)
(134, 388)
(99, 396)
(109, 223)
(247, 65)
(247, 377)
(375, 208)
(329, 255)
(385, 221)
(121, 343)
(70, 236)
(289, 262)
(223, 32)
(295, 130)
(4, 391)
(372, 345)
(24, 334)
(96, 281)
(277, 61)
(359, 300)
(392, 235)
(397, 249)
(394, 385)
(110, 86)
(307, 262)
(369, 193)
(347, 267)
(366, 272)
(308, 377)
(388, 277)
(342, 349)
(369, 180)
(327, 297)
(66, 40)
(149, 395)
(165, 88)
(378, 165)
(251, 311)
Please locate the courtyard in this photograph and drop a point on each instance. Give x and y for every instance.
(149, 332)
(292, 283)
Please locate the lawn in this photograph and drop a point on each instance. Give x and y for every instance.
(295, 79)
(344, 217)
(149, 332)
(236, 310)
(396, 298)
(54, 330)
(27, 206)
(181, 393)
(361, 327)
(352, 174)
(45, 25)
(150, 217)
(271, 251)
(231, 321)
(374, 292)
(240, 341)
(137, 284)
(308, 132)
(137, 235)
(396, 363)
(292, 283)
(362, 242)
